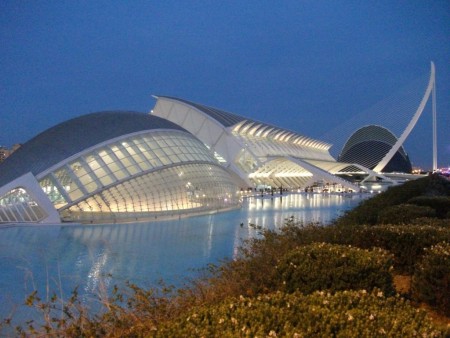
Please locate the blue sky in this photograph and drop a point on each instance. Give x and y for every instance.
(303, 65)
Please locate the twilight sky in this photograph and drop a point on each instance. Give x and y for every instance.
(302, 65)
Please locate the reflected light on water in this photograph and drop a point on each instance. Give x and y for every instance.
(94, 258)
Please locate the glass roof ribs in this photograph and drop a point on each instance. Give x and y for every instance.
(225, 118)
(17, 206)
(117, 162)
(182, 188)
(245, 127)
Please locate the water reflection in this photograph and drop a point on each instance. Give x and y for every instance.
(269, 212)
(95, 258)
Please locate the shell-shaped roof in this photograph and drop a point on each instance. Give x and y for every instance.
(224, 118)
(369, 145)
(245, 125)
(371, 133)
(73, 136)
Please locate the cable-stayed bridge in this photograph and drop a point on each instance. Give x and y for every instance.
(397, 115)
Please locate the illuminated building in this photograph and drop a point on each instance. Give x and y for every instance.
(112, 166)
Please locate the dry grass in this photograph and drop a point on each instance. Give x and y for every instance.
(402, 285)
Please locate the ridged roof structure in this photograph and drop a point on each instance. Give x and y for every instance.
(70, 137)
(244, 125)
(225, 118)
(368, 145)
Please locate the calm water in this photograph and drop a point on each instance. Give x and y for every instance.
(59, 258)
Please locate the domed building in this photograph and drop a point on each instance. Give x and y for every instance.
(112, 166)
(369, 145)
(183, 158)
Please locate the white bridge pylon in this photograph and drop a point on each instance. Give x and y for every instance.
(431, 88)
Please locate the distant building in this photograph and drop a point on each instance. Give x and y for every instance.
(183, 158)
(4, 153)
(15, 147)
(369, 145)
(260, 155)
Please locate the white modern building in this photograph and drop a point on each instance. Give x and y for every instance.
(109, 167)
(261, 155)
(183, 158)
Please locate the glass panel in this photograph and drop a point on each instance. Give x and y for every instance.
(106, 180)
(105, 156)
(52, 191)
(117, 152)
(70, 186)
(83, 175)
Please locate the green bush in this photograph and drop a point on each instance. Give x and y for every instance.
(441, 204)
(367, 212)
(344, 314)
(322, 266)
(404, 213)
(431, 279)
(253, 271)
(405, 242)
(432, 221)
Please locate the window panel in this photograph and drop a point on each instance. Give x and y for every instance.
(52, 191)
(106, 157)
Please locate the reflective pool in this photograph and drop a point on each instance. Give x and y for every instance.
(95, 257)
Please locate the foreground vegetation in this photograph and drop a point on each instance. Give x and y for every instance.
(301, 281)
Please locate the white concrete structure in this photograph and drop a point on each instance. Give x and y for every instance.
(112, 166)
(261, 155)
(431, 88)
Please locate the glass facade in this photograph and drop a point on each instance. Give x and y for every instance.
(161, 172)
(18, 206)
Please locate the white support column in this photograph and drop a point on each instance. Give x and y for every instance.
(433, 100)
(410, 126)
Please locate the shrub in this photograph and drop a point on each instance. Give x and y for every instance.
(344, 314)
(253, 271)
(331, 267)
(130, 314)
(404, 213)
(437, 222)
(367, 212)
(406, 242)
(431, 279)
(441, 204)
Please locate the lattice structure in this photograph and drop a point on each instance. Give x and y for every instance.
(135, 166)
(261, 155)
(398, 115)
